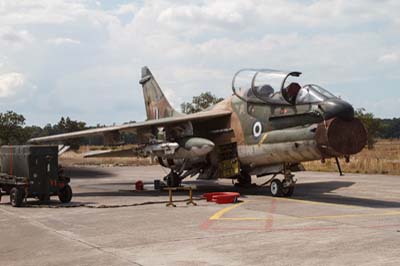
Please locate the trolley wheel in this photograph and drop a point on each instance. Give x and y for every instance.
(65, 194)
(288, 191)
(16, 197)
(276, 188)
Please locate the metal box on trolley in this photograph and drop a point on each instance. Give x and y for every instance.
(32, 171)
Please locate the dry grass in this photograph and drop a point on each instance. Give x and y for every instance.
(383, 159)
(76, 158)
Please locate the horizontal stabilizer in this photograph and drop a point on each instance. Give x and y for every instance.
(62, 149)
(111, 153)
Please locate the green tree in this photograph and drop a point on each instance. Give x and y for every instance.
(200, 103)
(32, 132)
(66, 125)
(390, 128)
(372, 124)
(11, 130)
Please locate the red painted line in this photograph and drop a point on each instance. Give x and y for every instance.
(270, 221)
(237, 229)
(306, 229)
(381, 226)
(206, 225)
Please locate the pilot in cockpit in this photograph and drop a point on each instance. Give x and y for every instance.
(290, 92)
(265, 91)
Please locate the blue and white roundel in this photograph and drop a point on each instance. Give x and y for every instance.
(257, 129)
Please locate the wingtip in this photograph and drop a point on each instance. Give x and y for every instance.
(145, 72)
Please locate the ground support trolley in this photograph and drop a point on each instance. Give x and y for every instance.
(31, 171)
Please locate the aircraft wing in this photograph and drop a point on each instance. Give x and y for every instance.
(132, 127)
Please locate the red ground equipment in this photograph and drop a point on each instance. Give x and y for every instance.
(139, 185)
(222, 197)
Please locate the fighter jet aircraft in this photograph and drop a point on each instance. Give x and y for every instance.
(268, 126)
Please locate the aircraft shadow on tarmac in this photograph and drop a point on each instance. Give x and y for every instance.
(320, 192)
(313, 192)
(87, 172)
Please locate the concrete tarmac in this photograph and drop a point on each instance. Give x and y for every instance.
(330, 220)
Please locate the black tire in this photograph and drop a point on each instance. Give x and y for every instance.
(244, 179)
(276, 188)
(65, 194)
(288, 191)
(16, 197)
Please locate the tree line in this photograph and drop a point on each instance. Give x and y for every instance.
(13, 131)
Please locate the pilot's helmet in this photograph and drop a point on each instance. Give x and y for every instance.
(293, 89)
(290, 92)
(265, 90)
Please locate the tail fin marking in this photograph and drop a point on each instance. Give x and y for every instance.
(157, 105)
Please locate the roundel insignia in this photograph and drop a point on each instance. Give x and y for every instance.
(257, 129)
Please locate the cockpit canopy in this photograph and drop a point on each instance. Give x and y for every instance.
(274, 86)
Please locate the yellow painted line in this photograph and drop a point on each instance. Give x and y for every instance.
(352, 215)
(220, 213)
(263, 139)
(310, 217)
(321, 203)
(243, 219)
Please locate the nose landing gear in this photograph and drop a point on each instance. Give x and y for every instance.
(284, 188)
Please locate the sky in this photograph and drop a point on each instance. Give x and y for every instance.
(82, 58)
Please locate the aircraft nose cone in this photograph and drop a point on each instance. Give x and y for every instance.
(337, 108)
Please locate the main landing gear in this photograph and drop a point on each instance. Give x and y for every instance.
(284, 188)
(244, 179)
(173, 179)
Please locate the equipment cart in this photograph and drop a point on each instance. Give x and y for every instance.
(31, 171)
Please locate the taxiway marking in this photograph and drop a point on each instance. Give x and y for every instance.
(219, 215)
(311, 217)
(321, 203)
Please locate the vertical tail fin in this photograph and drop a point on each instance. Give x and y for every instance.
(157, 105)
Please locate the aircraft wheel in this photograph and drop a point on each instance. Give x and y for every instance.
(276, 188)
(16, 197)
(288, 191)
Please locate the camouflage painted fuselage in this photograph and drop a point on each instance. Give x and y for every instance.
(269, 135)
(261, 136)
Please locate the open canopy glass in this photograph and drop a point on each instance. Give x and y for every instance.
(274, 86)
